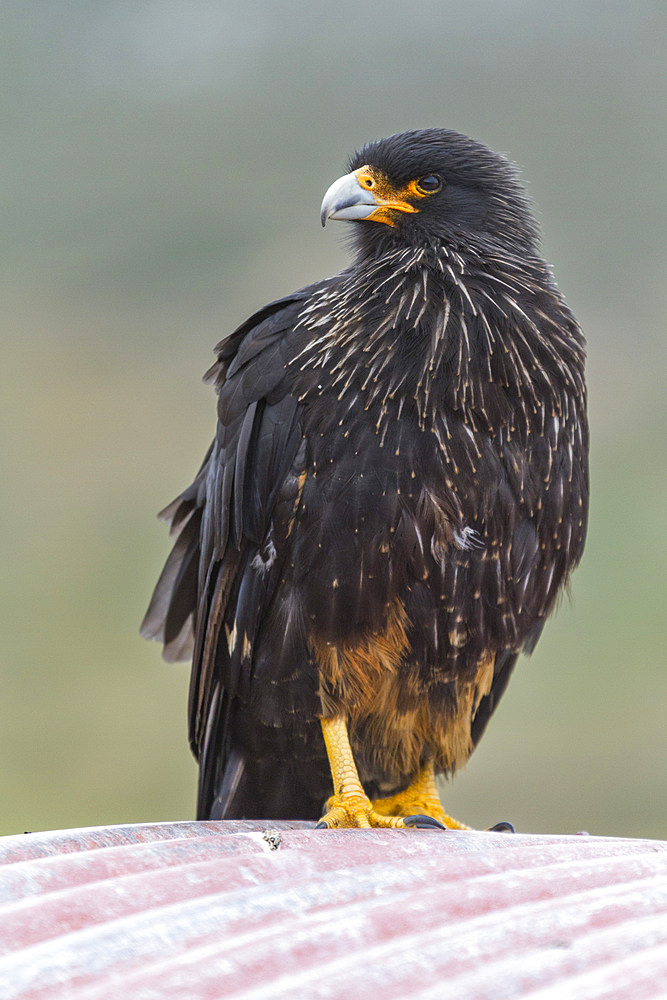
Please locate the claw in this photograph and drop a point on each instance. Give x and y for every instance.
(423, 822)
(502, 827)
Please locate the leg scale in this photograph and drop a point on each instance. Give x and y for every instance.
(349, 806)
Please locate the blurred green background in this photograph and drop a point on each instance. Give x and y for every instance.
(162, 168)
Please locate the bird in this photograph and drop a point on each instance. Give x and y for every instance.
(395, 498)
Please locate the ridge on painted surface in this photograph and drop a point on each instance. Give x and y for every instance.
(246, 909)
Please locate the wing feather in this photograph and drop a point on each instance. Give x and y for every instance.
(243, 459)
(218, 581)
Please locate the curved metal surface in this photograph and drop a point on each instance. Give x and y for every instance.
(210, 910)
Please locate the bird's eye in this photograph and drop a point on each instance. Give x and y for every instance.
(366, 179)
(429, 184)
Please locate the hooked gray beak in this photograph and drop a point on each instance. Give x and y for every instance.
(347, 199)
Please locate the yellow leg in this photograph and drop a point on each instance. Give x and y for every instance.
(349, 806)
(420, 797)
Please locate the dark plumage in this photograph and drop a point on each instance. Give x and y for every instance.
(395, 496)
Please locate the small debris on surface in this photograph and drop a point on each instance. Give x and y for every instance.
(273, 839)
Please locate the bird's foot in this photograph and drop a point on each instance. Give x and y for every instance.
(349, 806)
(419, 801)
(355, 811)
(417, 806)
(418, 809)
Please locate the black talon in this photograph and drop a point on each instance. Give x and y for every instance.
(502, 827)
(321, 825)
(423, 822)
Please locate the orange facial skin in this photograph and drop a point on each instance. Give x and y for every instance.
(389, 198)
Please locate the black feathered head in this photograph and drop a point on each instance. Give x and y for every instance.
(433, 186)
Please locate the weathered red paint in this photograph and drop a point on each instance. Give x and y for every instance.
(210, 910)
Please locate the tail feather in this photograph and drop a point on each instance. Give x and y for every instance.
(260, 772)
(170, 614)
(253, 789)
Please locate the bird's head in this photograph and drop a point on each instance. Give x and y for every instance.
(432, 186)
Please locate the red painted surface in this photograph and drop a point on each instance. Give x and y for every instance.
(210, 910)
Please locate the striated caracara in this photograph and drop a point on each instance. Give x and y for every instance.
(395, 497)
